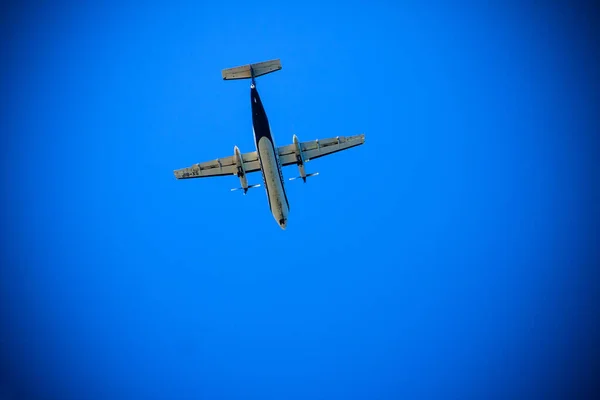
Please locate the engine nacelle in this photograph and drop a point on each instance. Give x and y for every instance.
(241, 172)
(299, 158)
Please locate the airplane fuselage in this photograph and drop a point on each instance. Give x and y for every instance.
(269, 160)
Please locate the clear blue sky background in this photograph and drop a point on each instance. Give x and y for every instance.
(452, 256)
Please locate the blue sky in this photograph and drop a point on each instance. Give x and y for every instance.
(451, 256)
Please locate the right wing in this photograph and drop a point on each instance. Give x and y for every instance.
(219, 167)
(318, 148)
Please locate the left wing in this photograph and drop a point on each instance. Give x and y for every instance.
(219, 167)
(288, 155)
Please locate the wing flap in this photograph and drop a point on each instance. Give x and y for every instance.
(251, 162)
(288, 159)
(287, 154)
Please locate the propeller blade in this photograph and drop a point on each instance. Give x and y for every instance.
(249, 187)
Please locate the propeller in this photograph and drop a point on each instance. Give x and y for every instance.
(245, 189)
(304, 177)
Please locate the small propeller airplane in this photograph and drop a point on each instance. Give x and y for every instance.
(267, 158)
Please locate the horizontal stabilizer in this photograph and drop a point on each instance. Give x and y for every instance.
(245, 72)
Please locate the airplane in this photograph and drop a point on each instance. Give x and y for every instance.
(267, 158)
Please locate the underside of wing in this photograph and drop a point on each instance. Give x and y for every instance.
(219, 167)
(288, 154)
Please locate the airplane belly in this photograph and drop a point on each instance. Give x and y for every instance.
(272, 180)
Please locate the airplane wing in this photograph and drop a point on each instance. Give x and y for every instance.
(219, 167)
(318, 148)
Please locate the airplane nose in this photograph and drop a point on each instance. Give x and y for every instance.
(283, 223)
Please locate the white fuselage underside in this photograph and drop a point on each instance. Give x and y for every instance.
(272, 178)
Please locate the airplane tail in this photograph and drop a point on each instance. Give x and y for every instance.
(251, 70)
